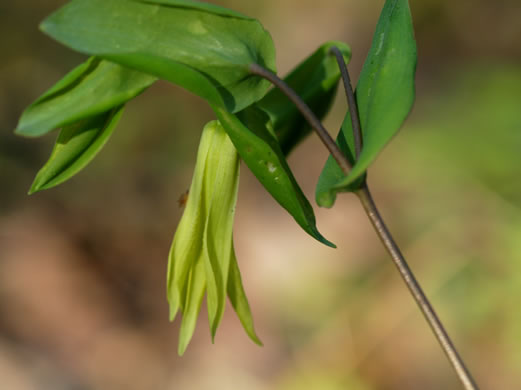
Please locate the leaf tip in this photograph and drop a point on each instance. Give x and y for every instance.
(42, 182)
(38, 186)
(33, 190)
(323, 240)
(22, 131)
(329, 244)
(45, 24)
(325, 199)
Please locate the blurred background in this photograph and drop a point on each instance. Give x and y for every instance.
(83, 266)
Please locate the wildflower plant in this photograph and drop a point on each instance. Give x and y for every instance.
(228, 59)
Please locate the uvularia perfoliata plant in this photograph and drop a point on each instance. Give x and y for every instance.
(209, 50)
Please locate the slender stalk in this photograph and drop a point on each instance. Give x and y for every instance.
(306, 112)
(392, 248)
(372, 211)
(419, 296)
(351, 101)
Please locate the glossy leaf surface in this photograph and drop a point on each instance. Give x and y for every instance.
(315, 80)
(385, 94)
(76, 146)
(259, 149)
(92, 88)
(205, 49)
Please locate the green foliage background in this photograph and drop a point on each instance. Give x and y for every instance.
(82, 266)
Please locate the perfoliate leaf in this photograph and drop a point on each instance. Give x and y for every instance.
(75, 147)
(94, 87)
(259, 149)
(385, 94)
(315, 80)
(205, 49)
(332, 173)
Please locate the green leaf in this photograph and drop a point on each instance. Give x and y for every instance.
(198, 5)
(205, 49)
(92, 88)
(75, 147)
(315, 80)
(259, 149)
(239, 301)
(385, 94)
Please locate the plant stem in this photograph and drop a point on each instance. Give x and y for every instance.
(306, 112)
(414, 287)
(351, 101)
(394, 251)
(372, 211)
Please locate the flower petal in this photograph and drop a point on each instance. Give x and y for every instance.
(192, 306)
(221, 186)
(187, 244)
(238, 299)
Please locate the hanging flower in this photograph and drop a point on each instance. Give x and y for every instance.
(202, 258)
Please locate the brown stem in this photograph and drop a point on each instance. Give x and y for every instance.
(306, 112)
(419, 296)
(372, 212)
(351, 101)
(394, 251)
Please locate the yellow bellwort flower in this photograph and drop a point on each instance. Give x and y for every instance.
(202, 258)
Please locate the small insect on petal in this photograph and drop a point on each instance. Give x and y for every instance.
(183, 199)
